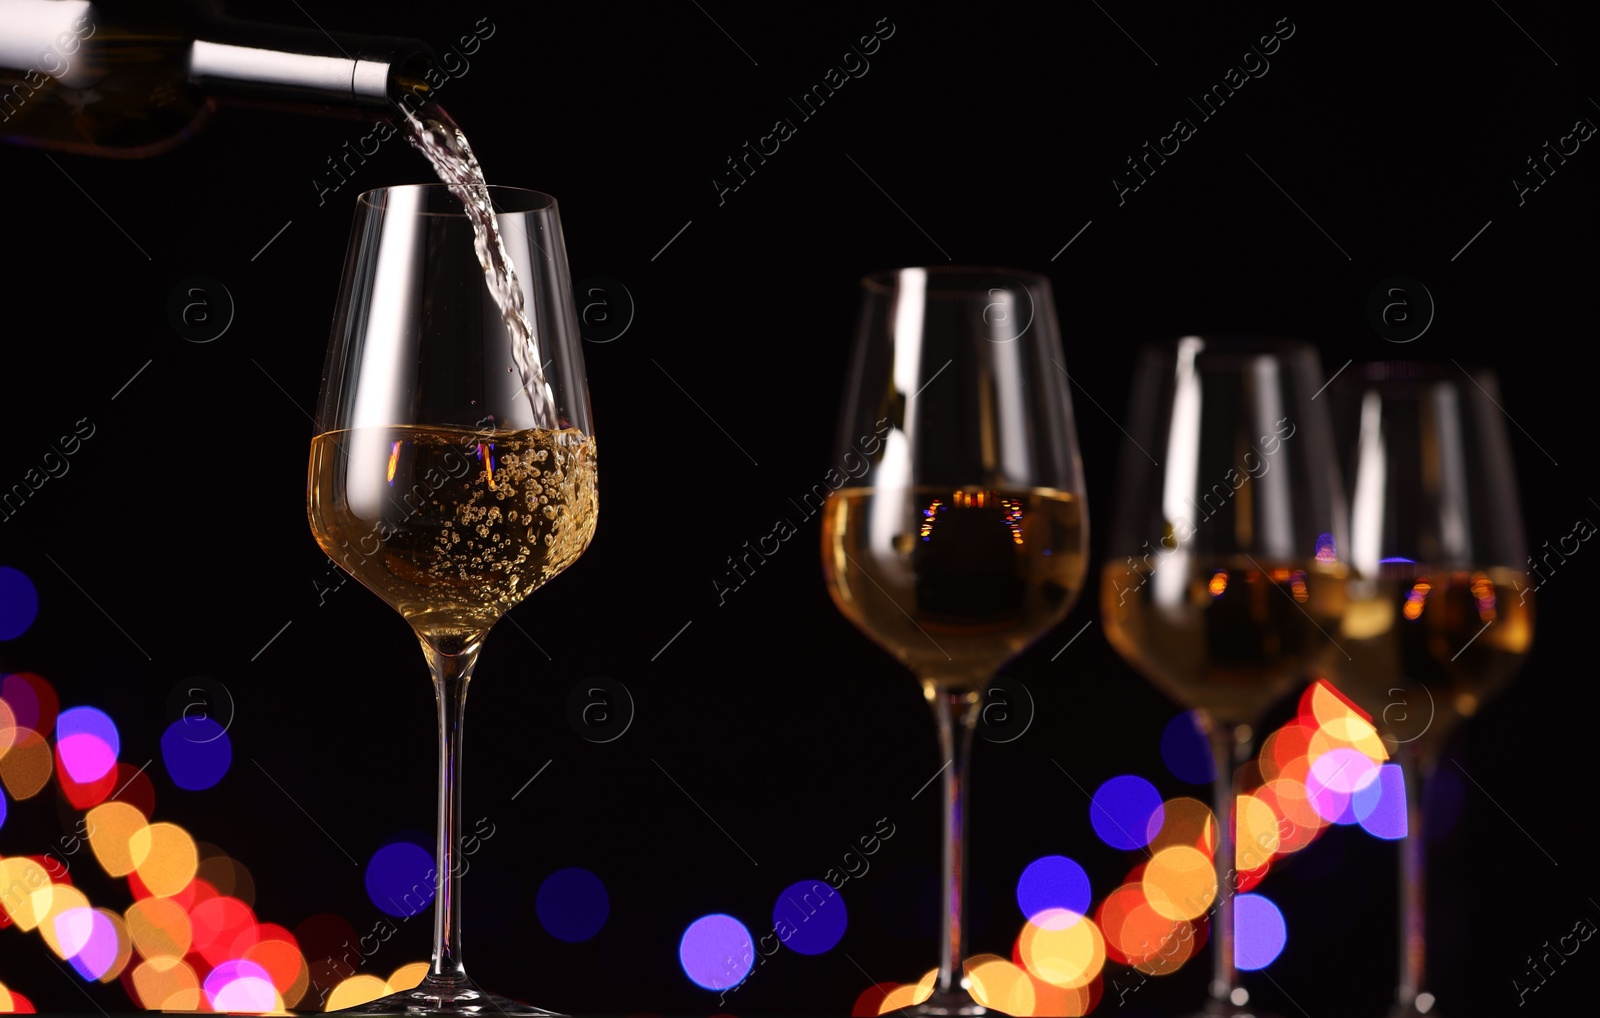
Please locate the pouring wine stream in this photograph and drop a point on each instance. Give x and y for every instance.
(444, 144)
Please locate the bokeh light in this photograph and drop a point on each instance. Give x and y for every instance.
(87, 740)
(197, 752)
(572, 904)
(1186, 750)
(400, 878)
(224, 928)
(356, 990)
(159, 926)
(716, 951)
(1255, 832)
(30, 893)
(12, 1002)
(87, 939)
(1283, 747)
(1182, 821)
(26, 767)
(19, 603)
(1053, 881)
(323, 935)
(1350, 732)
(1165, 944)
(1322, 703)
(1299, 822)
(227, 875)
(902, 997)
(191, 940)
(1334, 777)
(86, 750)
(407, 976)
(1064, 950)
(1112, 915)
(111, 827)
(240, 985)
(32, 700)
(168, 983)
(283, 962)
(1380, 807)
(8, 726)
(869, 1003)
(63, 898)
(1123, 809)
(168, 858)
(813, 916)
(1180, 882)
(999, 983)
(1258, 932)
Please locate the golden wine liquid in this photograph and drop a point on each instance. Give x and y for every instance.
(1224, 635)
(954, 582)
(452, 526)
(1428, 647)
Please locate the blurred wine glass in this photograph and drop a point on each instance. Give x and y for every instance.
(1442, 613)
(1223, 581)
(961, 535)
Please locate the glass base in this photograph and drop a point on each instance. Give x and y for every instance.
(461, 997)
(952, 1002)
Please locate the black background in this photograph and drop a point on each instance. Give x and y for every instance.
(997, 128)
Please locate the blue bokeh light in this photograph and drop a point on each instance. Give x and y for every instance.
(716, 951)
(572, 904)
(813, 916)
(400, 878)
(19, 603)
(1053, 881)
(1380, 807)
(1186, 751)
(87, 741)
(197, 752)
(1259, 933)
(1126, 812)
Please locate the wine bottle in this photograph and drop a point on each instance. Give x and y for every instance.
(130, 78)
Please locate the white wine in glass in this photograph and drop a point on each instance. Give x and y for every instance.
(964, 537)
(1442, 609)
(453, 465)
(1225, 578)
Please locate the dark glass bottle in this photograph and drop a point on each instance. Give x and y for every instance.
(129, 78)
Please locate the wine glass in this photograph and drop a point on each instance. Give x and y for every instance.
(453, 467)
(1223, 580)
(957, 535)
(1441, 615)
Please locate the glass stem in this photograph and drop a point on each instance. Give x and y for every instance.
(957, 714)
(1416, 769)
(1229, 748)
(451, 659)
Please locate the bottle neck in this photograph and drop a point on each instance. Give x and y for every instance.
(246, 62)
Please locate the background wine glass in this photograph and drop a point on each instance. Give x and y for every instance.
(962, 537)
(1442, 613)
(1223, 580)
(440, 477)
